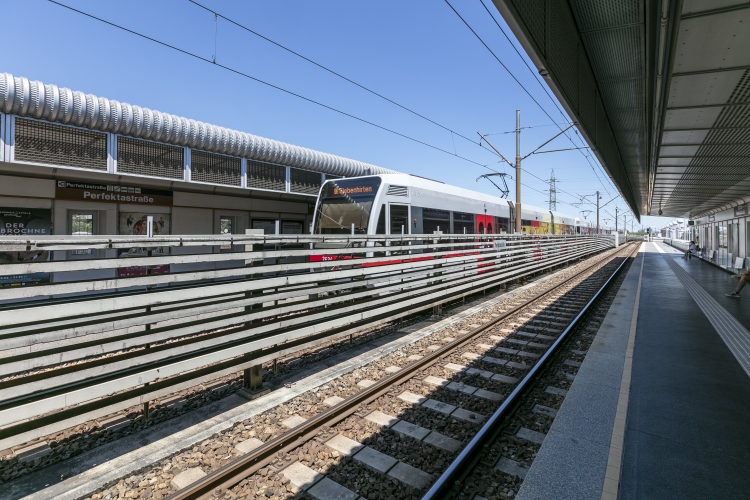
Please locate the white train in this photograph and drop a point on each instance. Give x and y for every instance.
(408, 204)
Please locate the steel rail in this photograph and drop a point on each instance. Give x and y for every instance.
(16, 430)
(215, 484)
(449, 483)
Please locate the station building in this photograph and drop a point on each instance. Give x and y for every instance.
(75, 163)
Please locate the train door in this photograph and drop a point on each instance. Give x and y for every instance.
(485, 224)
(398, 219)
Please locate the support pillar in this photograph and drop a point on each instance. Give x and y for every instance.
(252, 384)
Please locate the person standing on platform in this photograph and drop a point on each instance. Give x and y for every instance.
(744, 278)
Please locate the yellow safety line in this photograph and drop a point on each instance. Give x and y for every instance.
(612, 477)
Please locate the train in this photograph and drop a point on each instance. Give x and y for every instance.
(409, 204)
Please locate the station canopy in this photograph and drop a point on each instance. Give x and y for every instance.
(660, 90)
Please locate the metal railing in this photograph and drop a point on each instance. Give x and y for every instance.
(76, 347)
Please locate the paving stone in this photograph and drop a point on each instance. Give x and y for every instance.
(438, 406)
(380, 418)
(327, 489)
(544, 410)
(471, 355)
(525, 354)
(442, 441)
(173, 402)
(511, 467)
(410, 397)
(545, 337)
(529, 435)
(344, 445)
(496, 361)
(570, 362)
(393, 369)
(492, 396)
(32, 452)
(437, 381)
(538, 344)
(293, 421)
(411, 430)
(519, 366)
(248, 445)
(555, 390)
(332, 401)
(481, 373)
(114, 423)
(461, 387)
(565, 375)
(301, 476)
(504, 378)
(468, 416)
(506, 350)
(365, 383)
(410, 475)
(375, 460)
(454, 367)
(187, 477)
(415, 357)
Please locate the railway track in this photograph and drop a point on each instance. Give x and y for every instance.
(394, 437)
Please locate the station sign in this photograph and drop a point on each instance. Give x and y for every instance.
(740, 211)
(711, 218)
(85, 191)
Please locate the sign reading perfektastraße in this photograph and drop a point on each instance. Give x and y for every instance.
(84, 191)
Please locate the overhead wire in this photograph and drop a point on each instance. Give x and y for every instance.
(258, 80)
(554, 102)
(337, 74)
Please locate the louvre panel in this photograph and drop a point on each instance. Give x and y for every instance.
(138, 157)
(40, 142)
(532, 14)
(587, 105)
(398, 191)
(215, 168)
(266, 176)
(304, 181)
(563, 51)
(606, 13)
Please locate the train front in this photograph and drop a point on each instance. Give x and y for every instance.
(344, 207)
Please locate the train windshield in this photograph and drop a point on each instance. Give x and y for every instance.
(346, 202)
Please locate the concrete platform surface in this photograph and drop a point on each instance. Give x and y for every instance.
(660, 407)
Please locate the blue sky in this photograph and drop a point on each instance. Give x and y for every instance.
(418, 54)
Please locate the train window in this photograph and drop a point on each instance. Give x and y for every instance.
(291, 227)
(399, 219)
(436, 220)
(268, 226)
(464, 223)
(380, 228)
(489, 228)
(346, 203)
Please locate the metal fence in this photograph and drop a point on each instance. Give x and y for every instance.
(127, 320)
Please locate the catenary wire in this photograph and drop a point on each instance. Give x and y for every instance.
(339, 75)
(289, 92)
(522, 86)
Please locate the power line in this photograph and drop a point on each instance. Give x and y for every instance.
(535, 79)
(240, 73)
(339, 75)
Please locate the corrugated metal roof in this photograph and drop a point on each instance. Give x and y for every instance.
(35, 99)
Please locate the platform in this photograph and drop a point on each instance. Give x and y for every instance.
(660, 407)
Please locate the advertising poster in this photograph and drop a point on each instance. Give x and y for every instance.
(136, 224)
(24, 222)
